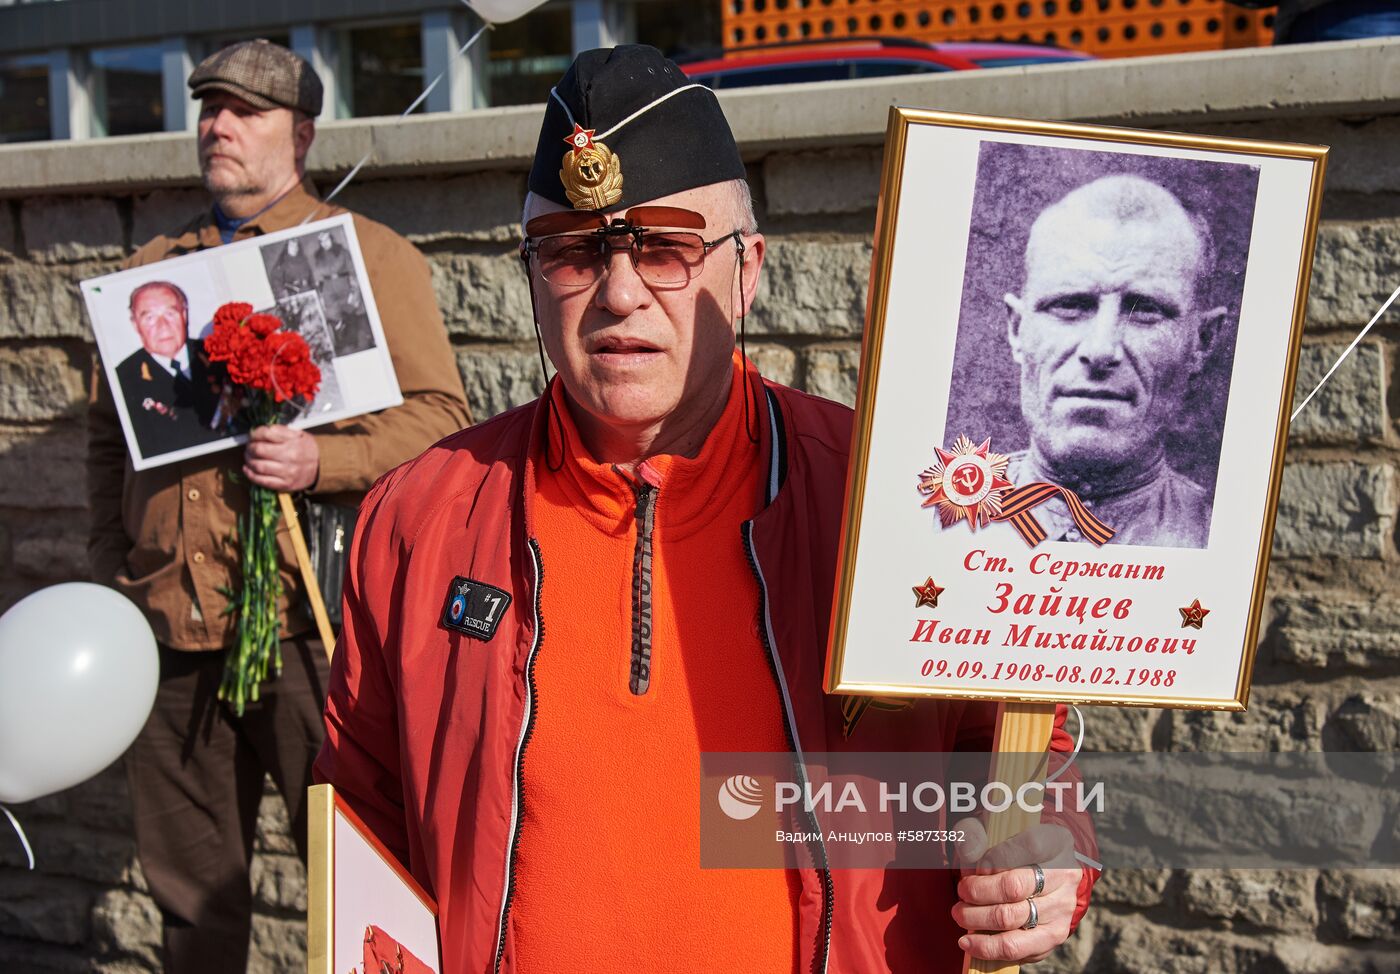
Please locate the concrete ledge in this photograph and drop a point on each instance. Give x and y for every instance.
(1361, 77)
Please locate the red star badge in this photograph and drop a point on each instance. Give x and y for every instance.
(927, 594)
(580, 138)
(1193, 615)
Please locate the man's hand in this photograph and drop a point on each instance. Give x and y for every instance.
(992, 894)
(282, 458)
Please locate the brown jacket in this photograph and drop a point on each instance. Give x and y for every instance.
(165, 537)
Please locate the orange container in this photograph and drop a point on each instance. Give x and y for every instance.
(1105, 28)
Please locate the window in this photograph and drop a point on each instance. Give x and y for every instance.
(24, 99)
(381, 68)
(211, 44)
(125, 84)
(528, 55)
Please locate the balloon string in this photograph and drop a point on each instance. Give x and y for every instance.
(1350, 348)
(23, 839)
(461, 51)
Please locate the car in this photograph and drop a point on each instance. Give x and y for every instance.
(872, 57)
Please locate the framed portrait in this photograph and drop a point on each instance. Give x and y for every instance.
(1078, 361)
(151, 323)
(365, 912)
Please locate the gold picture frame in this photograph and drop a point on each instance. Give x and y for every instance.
(874, 562)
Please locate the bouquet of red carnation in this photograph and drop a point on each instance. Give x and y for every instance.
(266, 367)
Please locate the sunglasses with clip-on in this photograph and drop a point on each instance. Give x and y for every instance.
(572, 248)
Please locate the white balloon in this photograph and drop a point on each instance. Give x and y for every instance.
(78, 674)
(503, 11)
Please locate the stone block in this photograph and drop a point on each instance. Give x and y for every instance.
(71, 228)
(830, 181)
(1362, 904)
(61, 849)
(43, 469)
(1274, 899)
(1134, 944)
(812, 287)
(1355, 268)
(1350, 408)
(1279, 723)
(775, 362)
(165, 212)
(44, 908)
(1138, 888)
(9, 243)
(498, 378)
(278, 945)
(479, 206)
(1333, 631)
(279, 883)
(1118, 728)
(39, 301)
(274, 829)
(830, 371)
(39, 383)
(127, 923)
(1365, 721)
(483, 297)
(52, 552)
(33, 957)
(1342, 509)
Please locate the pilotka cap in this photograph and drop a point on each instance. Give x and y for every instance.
(624, 125)
(264, 74)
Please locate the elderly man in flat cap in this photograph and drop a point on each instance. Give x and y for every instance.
(552, 616)
(163, 536)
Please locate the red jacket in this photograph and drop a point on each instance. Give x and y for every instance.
(426, 726)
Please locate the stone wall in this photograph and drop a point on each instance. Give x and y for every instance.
(1328, 670)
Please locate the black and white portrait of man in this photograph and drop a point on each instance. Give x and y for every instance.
(1097, 330)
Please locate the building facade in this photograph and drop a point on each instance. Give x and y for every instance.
(78, 69)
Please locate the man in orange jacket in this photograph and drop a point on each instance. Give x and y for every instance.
(551, 616)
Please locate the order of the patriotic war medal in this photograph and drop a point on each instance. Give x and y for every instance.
(591, 172)
(968, 483)
(965, 483)
(474, 608)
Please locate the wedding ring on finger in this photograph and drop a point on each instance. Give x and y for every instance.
(1034, 918)
(1039, 880)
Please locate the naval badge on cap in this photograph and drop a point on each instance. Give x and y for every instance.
(592, 173)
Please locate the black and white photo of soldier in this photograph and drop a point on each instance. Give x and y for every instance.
(349, 322)
(303, 314)
(1097, 329)
(288, 267)
(330, 257)
(321, 261)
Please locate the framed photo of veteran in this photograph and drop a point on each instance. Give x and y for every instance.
(151, 323)
(1074, 389)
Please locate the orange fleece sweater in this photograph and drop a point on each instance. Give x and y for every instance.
(608, 865)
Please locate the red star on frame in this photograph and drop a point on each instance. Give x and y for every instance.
(927, 594)
(580, 137)
(1193, 615)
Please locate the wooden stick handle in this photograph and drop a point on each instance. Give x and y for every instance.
(1022, 738)
(308, 574)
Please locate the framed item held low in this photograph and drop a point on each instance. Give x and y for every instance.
(1078, 363)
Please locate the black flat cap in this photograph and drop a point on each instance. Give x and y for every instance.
(264, 74)
(624, 126)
